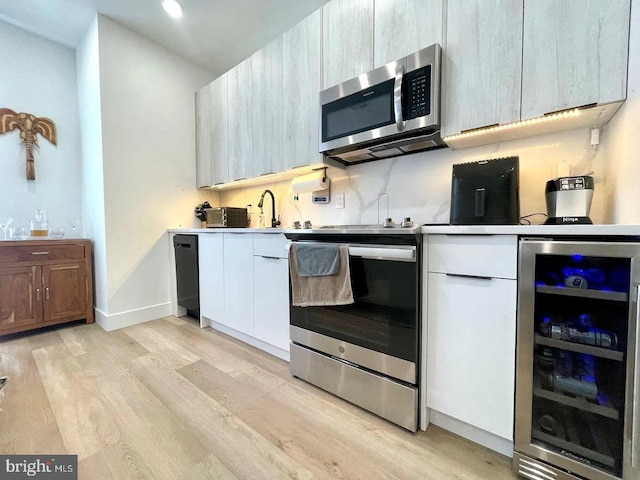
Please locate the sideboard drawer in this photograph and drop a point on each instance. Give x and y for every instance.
(38, 253)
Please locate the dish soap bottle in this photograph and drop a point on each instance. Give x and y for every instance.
(261, 219)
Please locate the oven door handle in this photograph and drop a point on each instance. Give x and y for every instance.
(399, 254)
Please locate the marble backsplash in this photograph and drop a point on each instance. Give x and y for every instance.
(419, 185)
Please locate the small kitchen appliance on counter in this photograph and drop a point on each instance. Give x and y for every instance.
(569, 200)
(486, 192)
(226, 217)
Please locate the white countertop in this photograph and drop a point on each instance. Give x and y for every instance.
(521, 230)
(537, 230)
(226, 230)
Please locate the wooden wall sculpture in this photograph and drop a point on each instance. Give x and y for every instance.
(29, 125)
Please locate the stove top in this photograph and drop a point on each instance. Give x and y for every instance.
(356, 230)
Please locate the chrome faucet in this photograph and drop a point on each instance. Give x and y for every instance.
(274, 222)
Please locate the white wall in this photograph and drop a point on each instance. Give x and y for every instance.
(39, 77)
(88, 68)
(623, 146)
(148, 146)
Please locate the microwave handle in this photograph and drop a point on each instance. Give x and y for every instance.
(397, 97)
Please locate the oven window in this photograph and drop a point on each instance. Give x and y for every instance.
(362, 111)
(384, 315)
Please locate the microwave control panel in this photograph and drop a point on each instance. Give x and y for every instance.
(418, 92)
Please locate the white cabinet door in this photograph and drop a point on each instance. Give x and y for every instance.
(403, 27)
(266, 69)
(240, 120)
(210, 264)
(238, 282)
(219, 131)
(302, 59)
(204, 131)
(482, 60)
(575, 53)
(471, 333)
(271, 300)
(347, 40)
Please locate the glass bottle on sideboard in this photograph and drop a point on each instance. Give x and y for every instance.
(39, 226)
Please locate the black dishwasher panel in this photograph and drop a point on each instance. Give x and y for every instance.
(186, 250)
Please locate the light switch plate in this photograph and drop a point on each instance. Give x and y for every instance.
(340, 200)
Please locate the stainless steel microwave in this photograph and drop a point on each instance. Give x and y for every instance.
(390, 111)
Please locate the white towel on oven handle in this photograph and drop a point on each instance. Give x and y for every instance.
(321, 291)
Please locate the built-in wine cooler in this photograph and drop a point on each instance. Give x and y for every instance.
(577, 375)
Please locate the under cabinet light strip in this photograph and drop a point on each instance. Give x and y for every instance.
(519, 124)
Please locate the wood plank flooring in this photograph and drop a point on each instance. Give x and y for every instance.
(168, 400)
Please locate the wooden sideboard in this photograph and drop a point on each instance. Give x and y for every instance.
(44, 282)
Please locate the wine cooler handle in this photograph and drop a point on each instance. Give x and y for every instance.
(635, 424)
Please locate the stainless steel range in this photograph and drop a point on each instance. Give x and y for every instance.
(365, 352)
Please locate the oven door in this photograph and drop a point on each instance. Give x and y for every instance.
(383, 317)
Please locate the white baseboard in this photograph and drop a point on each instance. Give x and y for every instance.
(131, 317)
(243, 337)
(482, 437)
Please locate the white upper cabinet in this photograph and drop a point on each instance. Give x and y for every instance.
(574, 54)
(347, 40)
(482, 59)
(219, 146)
(240, 121)
(403, 27)
(266, 71)
(301, 81)
(212, 155)
(204, 130)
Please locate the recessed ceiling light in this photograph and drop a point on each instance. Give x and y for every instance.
(173, 8)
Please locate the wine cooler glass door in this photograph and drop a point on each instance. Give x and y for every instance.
(576, 393)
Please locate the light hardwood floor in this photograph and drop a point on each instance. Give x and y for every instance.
(168, 400)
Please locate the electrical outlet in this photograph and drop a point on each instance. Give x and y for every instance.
(340, 200)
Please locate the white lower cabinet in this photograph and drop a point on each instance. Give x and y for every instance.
(238, 282)
(271, 300)
(244, 286)
(470, 319)
(210, 264)
(471, 350)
